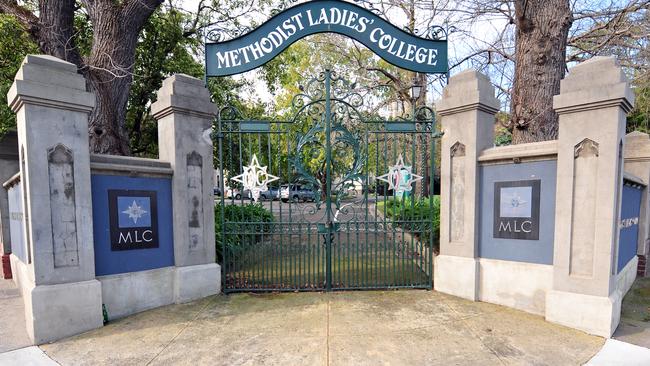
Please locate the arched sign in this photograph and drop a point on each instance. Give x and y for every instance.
(260, 46)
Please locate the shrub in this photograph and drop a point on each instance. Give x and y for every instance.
(243, 226)
(410, 215)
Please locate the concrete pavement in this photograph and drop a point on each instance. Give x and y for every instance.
(12, 318)
(340, 328)
(346, 328)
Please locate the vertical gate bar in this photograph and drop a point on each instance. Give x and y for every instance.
(308, 280)
(414, 159)
(387, 245)
(224, 269)
(275, 267)
(328, 159)
(431, 199)
(267, 257)
(241, 160)
(302, 254)
(392, 241)
(287, 250)
(251, 265)
(376, 232)
(356, 255)
(366, 187)
(347, 253)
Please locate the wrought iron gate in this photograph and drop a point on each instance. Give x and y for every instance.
(329, 199)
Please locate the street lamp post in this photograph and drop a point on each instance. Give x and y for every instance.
(416, 90)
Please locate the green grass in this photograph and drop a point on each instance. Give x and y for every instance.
(297, 266)
(636, 304)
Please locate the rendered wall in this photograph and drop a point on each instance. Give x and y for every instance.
(572, 269)
(73, 263)
(8, 168)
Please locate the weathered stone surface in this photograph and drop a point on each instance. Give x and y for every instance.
(129, 293)
(592, 105)
(184, 112)
(57, 281)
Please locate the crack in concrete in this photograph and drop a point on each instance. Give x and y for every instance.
(187, 324)
(471, 330)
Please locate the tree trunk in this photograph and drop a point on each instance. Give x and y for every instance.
(56, 31)
(540, 53)
(108, 69)
(109, 74)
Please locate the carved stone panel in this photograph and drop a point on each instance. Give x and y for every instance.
(195, 199)
(583, 218)
(457, 190)
(62, 206)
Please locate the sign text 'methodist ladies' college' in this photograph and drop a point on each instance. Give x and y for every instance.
(387, 41)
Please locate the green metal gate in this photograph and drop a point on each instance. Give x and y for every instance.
(328, 199)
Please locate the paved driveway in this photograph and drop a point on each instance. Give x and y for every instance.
(345, 328)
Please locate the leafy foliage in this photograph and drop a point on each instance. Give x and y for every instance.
(408, 214)
(243, 226)
(639, 118)
(14, 45)
(163, 50)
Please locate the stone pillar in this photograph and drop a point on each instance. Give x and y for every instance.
(8, 168)
(592, 106)
(185, 113)
(62, 296)
(637, 163)
(467, 110)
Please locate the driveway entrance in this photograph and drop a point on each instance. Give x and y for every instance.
(347, 202)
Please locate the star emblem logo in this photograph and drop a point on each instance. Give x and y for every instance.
(255, 178)
(135, 212)
(517, 201)
(400, 177)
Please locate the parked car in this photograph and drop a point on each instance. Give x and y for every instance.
(273, 193)
(296, 193)
(217, 191)
(238, 195)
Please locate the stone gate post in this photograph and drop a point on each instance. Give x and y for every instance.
(587, 285)
(467, 111)
(185, 113)
(57, 278)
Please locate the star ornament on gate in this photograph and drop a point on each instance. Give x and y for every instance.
(400, 177)
(255, 178)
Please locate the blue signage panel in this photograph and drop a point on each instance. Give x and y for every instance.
(132, 224)
(517, 211)
(260, 46)
(629, 225)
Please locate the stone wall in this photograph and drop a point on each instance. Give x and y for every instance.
(536, 226)
(637, 163)
(106, 231)
(8, 168)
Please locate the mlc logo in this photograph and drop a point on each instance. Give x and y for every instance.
(133, 219)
